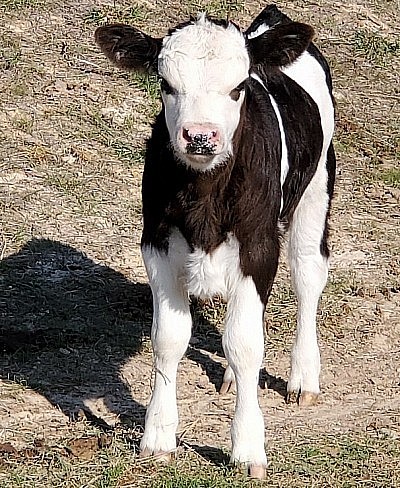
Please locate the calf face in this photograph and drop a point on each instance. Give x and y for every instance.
(203, 66)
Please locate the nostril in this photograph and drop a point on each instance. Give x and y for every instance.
(186, 135)
(214, 136)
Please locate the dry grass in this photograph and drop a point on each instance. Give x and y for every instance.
(75, 310)
(370, 461)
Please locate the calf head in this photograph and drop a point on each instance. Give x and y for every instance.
(203, 66)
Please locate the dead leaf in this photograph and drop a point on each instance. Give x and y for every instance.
(83, 448)
(7, 448)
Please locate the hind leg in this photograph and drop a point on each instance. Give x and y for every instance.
(229, 381)
(308, 260)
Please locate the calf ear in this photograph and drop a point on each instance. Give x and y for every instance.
(128, 48)
(281, 44)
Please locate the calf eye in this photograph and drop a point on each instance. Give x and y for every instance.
(166, 87)
(235, 93)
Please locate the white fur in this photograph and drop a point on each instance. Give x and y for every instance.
(216, 273)
(170, 336)
(259, 31)
(172, 276)
(309, 271)
(243, 343)
(308, 73)
(203, 63)
(284, 156)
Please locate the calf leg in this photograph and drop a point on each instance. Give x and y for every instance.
(243, 343)
(170, 336)
(309, 270)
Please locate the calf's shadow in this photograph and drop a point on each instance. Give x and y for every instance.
(68, 325)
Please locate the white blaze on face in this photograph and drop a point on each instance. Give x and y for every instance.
(202, 63)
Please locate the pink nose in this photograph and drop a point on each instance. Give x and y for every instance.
(201, 133)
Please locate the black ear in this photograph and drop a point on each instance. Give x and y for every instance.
(281, 44)
(128, 48)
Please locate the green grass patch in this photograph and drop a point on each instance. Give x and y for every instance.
(112, 137)
(19, 89)
(374, 47)
(129, 153)
(10, 52)
(24, 123)
(66, 184)
(149, 84)
(110, 476)
(175, 477)
(134, 14)
(349, 460)
(390, 177)
(216, 8)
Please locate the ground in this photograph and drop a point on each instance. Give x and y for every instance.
(75, 307)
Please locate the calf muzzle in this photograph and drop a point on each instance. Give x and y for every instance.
(201, 139)
(200, 144)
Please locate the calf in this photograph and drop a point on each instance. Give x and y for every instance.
(240, 154)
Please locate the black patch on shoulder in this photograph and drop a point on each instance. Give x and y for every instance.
(303, 134)
(257, 189)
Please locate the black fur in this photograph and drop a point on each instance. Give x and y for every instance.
(331, 168)
(303, 134)
(272, 17)
(128, 48)
(242, 196)
(281, 45)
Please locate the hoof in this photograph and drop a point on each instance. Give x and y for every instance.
(163, 457)
(257, 472)
(308, 399)
(291, 397)
(304, 399)
(226, 387)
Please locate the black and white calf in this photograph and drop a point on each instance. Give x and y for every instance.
(240, 154)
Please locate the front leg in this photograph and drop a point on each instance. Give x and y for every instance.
(170, 336)
(243, 343)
